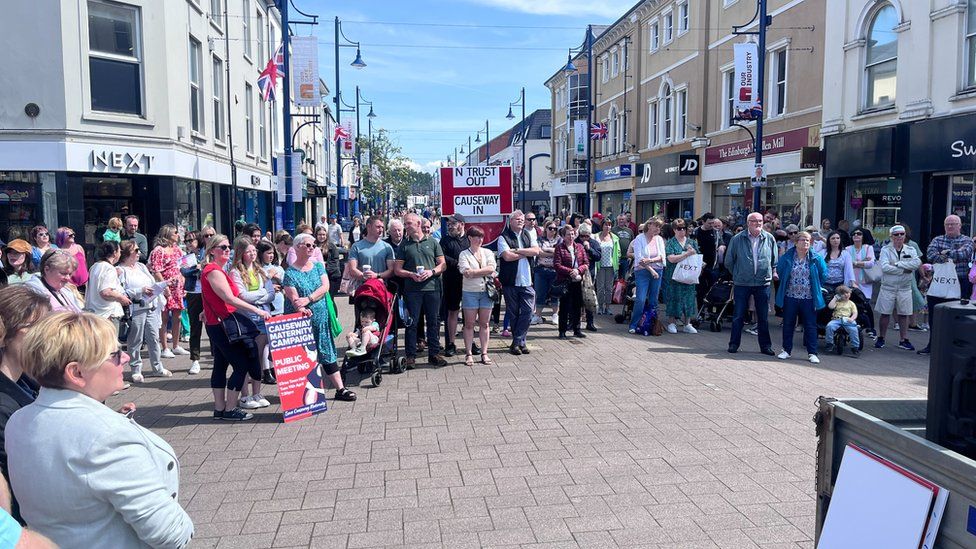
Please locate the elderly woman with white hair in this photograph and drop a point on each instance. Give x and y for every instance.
(306, 287)
(84, 474)
(56, 269)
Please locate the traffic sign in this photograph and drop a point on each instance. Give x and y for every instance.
(476, 190)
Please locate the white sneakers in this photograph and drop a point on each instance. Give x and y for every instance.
(536, 319)
(180, 351)
(814, 359)
(688, 329)
(783, 355)
(162, 373)
(138, 378)
(254, 402)
(167, 354)
(194, 368)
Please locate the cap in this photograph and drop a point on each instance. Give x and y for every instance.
(19, 245)
(896, 229)
(456, 218)
(598, 216)
(332, 216)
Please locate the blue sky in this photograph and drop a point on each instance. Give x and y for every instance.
(432, 98)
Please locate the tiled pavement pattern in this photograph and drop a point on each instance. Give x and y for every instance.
(615, 440)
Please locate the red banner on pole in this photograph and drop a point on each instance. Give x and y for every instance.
(301, 386)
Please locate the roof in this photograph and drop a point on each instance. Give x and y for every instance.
(534, 122)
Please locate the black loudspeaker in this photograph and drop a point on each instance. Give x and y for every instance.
(951, 414)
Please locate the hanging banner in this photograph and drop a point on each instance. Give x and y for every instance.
(349, 143)
(364, 159)
(579, 138)
(304, 67)
(301, 386)
(745, 96)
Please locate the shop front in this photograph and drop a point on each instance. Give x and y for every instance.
(666, 186)
(614, 189)
(791, 180)
(26, 199)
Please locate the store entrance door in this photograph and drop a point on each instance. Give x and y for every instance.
(107, 197)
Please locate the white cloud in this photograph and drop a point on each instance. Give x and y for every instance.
(612, 9)
(428, 167)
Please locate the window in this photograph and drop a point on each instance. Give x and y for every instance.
(216, 13)
(262, 128)
(196, 91)
(777, 83)
(623, 56)
(249, 116)
(971, 44)
(681, 101)
(668, 27)
(683, 18)
(545, 131)
(218, 99)
(622, 128)
(614, 63)
(655, 36)
(728, 91)
(259, 27)
(606, 68)
(613, 130)
(667, 115)
(246, 22)
(881, 59)
(653, 124)
(114, 58)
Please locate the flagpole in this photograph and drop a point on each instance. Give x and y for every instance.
(589, 118)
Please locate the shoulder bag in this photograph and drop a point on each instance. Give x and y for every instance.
(493, 294)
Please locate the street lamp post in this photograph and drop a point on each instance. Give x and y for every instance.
(570, 68)
(477, 139)
(523, 136)
(764, 21)
(359, 155)
(341, 197)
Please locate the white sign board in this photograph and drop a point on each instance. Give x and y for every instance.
(579, 138)
(476, 190)
(304, 68)
(467, 177)
(745, 92)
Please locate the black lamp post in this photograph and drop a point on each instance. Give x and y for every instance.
(341, 197)
(523, 136)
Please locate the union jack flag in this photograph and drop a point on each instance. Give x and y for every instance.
(341, 132)
(598, 131)
(268, 79)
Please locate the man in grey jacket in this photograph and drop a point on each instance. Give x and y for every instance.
(898, 265)
(751, 258)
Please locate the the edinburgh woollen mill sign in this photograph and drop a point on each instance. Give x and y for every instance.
(476, 190)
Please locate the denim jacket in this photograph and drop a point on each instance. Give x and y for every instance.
(818, 276)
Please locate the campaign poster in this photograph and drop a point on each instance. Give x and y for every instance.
(301, 386)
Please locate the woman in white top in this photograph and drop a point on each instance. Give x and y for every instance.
(56, 269)
(145, 312)
(254, 287)
(863, 257)
(106, 296)
(478, 268)
(648, 268)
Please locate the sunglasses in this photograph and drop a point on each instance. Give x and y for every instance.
(550, 228)
(116, 357)
(309, 245)
(530, 219)
(70, 235)
(898, 234)
(42, 234)
(681, 228)
(224, 247)
(791, 233)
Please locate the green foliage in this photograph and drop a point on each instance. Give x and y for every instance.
(390, 172)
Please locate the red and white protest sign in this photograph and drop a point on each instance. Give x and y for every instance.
(300, 378)
(476, 190)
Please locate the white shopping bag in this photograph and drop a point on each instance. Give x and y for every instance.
(945, 281)
(688, 270)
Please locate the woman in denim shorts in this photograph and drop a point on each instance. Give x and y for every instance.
(478, 269)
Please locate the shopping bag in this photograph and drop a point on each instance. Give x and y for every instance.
(619, 292)
(688, 270)
(945, 281)
(589, 293)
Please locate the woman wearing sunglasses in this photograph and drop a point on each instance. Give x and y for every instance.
(65, 240)
(545, 271)
(40, 239)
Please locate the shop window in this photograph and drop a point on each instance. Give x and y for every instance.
(20, 201)
(246, 27)
(875, 203)
(218, 99)
(208, 210)
(961, 200)
(186, 205)
(114, 58)
(971, 44)
(881, 59)
(196, 88)
(789, 196)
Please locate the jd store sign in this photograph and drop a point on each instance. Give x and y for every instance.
(670, 169)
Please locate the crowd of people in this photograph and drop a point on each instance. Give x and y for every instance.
(71, 334)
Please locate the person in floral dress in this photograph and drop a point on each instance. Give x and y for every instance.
(164, 263)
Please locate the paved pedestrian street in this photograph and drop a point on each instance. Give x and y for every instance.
(615, 440)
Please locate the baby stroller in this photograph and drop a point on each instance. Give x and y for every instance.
(374, 294)
(865, 320)
(717, 303)
(629, 293)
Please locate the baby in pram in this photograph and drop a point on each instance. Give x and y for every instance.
(367, 337)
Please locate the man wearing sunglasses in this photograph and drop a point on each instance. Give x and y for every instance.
(955, 247)
(898, 265)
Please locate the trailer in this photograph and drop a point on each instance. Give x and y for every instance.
(895, 430)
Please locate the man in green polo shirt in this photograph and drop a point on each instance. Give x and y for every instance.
(420, 262)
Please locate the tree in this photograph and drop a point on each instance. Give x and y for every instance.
(389, 172)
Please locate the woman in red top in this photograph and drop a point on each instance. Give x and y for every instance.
(570, 261)
(219, 301)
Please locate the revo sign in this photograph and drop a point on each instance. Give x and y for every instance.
(476, 190)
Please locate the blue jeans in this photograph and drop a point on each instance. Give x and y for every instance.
(544, 277)
(624, 265)
(741, 295)
(849, 326)
(648, 288)
(792, 308)
(519, 301)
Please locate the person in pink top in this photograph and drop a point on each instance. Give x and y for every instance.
(65, 239)
(316, 254)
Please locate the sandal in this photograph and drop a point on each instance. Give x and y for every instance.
(485, 359)
(468, 360)
(345, 394)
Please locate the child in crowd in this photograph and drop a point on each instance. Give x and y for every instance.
(367, 337)
(844, 316)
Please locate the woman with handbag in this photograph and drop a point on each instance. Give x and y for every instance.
(478, 292)
(593, 256)
(106, 296)
(648, 267)
(571, 263)
(606, 268)
(144, 317)
(254, 287)
(862, 256)
(680, 297)
(220, 302)
(306, 287)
